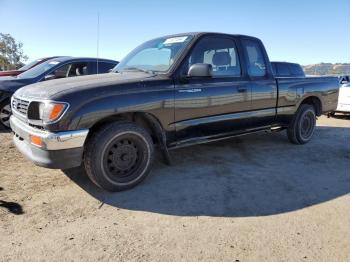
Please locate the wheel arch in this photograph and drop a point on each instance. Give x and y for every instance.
(146, 120)
(315, 102)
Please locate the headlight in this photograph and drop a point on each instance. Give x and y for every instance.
(51, 111)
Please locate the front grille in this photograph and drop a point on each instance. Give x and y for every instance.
(20, 105)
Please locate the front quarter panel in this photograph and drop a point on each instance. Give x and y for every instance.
(89, 107)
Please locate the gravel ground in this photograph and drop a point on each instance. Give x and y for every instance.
(253, 198)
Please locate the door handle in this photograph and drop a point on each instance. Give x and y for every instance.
(242, 89)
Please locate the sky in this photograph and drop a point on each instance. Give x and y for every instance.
(304, 32)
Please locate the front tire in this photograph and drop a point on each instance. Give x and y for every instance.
(119, 156)
(5, 114)
(302, 127)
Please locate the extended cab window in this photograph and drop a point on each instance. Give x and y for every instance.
(274, 68)
(255, 58)
(221, 53)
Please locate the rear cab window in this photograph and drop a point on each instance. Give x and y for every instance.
(283, 69)
(296, 70)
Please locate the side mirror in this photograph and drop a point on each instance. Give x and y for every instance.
(200, 70)
(49, 77)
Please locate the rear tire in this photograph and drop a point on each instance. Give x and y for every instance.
(119, 156)
(302, 127)
(5, 113)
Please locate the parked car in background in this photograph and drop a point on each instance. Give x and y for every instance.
(172, 91)
(344, 96)
(56, 68)
(26, 67)
(286, 69)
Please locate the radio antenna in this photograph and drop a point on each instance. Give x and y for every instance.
(98, 40)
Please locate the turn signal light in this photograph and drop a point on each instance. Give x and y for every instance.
(37, 141)
(56, 111)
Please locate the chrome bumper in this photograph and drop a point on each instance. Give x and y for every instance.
(51, 141)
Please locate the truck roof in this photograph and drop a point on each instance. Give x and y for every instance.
(211, 33)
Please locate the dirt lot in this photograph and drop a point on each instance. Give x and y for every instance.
(253, 198)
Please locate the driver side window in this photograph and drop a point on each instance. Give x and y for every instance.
(220, 53)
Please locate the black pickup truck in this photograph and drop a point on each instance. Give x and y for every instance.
(169, 92)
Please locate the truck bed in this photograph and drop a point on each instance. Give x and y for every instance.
(292, 89)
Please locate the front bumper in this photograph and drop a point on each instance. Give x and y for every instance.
(59, 150)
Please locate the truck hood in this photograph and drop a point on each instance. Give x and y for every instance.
(48, 89)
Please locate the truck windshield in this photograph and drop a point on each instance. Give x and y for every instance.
(154, 56)
(39, 69)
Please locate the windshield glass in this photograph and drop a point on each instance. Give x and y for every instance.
(154, 56)
(39, 69)
(29, 65)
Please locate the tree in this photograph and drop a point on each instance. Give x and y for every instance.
(11, 53)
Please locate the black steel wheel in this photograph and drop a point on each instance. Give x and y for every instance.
(124, 157)
(302, 127)
(119, 156)
(307, 124)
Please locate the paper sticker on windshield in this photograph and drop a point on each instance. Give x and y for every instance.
(54, 62)
(173, 40)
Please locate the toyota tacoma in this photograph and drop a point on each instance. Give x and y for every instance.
(169, 92)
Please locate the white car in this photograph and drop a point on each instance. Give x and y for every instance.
(344, 96)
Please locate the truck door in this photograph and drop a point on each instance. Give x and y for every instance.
(262, 84)
(211, 105)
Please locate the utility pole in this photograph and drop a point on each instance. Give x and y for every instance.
(98, 39)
